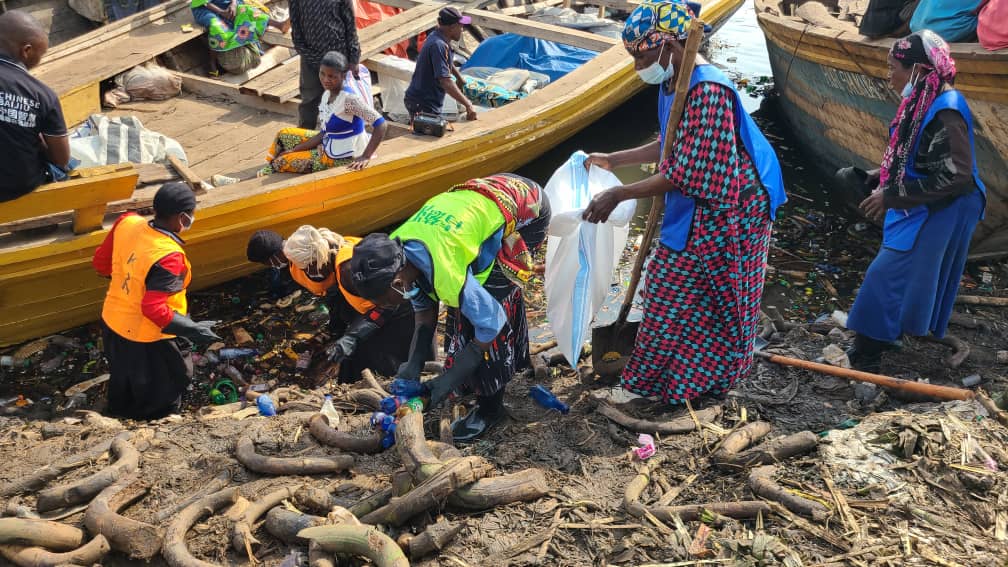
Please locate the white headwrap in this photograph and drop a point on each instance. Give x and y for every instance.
(309, 244)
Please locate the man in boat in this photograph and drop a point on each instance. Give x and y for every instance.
(145, 310)
(721, 184)
(930, 195)
(321, 26)
(33, 133)
(432, 77)
(471, 249)
(318, 259)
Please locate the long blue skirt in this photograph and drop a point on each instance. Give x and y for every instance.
(913, 292)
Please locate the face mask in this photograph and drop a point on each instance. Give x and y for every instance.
(409, 294)
(655, 74)
(187, 221)
(909, 87)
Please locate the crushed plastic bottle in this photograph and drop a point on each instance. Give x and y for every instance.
(266, 405)
(330, 412)
(414, 404)
(546, 399)
(383, 421)
(230, 353)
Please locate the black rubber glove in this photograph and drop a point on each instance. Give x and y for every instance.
(466, 362)
(360, 330)
(197, 332)
(420, 352)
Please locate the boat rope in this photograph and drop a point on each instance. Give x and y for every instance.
(794, 53)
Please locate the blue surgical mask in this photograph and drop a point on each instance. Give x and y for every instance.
(408, 294)
(655, 74)
(907, 90)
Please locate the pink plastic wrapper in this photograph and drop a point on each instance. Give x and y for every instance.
(647, 447)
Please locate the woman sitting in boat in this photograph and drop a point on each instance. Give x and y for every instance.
(340, 139)
(469, 248)
(931, 198)
(722, 185)
(233, 25)
(370, 337)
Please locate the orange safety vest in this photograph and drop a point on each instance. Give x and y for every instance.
(359, 304)
(136, 247)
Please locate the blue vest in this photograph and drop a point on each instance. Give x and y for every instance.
(902, 225)
(678, 207)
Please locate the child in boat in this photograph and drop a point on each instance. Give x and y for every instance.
(233, 24)
(340, 139)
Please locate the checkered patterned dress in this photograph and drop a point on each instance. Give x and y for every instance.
(701, 304)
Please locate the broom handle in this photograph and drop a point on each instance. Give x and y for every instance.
(658, 202)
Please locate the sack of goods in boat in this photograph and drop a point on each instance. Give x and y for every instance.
(588, 252)
(102, 140)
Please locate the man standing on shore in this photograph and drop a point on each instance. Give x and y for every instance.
(321, 26)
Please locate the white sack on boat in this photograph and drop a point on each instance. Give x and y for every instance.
(103, 141)
(580, 256)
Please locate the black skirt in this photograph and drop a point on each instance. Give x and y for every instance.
(146, 380)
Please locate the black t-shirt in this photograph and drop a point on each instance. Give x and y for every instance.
(27, 108)
(433, 64)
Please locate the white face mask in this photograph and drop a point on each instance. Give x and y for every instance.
(655, 74)
(187, 221)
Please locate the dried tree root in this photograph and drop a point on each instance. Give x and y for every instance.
(982, 300)
(41, 477)
(369, 380)
(371, 503)
(281, 466)
(443, 451)
(414, 451)
(42, 533)
(683, 424)
(960, 350)
(431, 493)
(83, 490)
(741, 510)
(358, 540)
(314, 499)
(175, 551)
(139, 540)
(762, 484)
(285, 524)
(87, 554)
(317, 557)
(241, 537)
(431, 540)
(992, 410)
(636, 486)
(218, 483)
(487, 493)
(318, 426)
(776, 450)
(368, 398)
(445, 431)
(738, 440)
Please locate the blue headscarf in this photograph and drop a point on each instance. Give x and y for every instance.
(655, 22)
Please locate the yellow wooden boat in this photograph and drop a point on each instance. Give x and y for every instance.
(835, 95)
(47, 282)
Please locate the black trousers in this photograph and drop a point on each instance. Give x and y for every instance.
(382, 352)
(311, 95)
(146, 380)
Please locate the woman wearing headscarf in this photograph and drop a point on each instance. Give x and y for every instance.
(370, 337)
(722, 185)
(931, 197)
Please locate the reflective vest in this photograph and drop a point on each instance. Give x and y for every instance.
(678, 207)
(359, 304)
(453, 227)
(136, 247)
(901, 227)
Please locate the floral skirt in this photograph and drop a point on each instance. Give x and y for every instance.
(306, 161)
(249, 25)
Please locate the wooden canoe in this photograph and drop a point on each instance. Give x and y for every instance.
(47, 283)
(835, 96)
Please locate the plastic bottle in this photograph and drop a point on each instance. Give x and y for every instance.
(234, 374)
(382, 421)
(390, 404)
(229, 353)
(388, 441)
(546, 399)
(329, 411)
(407, 388)
(414, 404)
(266, 406)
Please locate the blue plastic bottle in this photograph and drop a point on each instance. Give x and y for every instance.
(388, 440)
(546, 399)
(390, 404)
(407, 388)
(266, 406)
(382, 421)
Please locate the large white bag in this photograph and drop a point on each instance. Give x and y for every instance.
(580, 256)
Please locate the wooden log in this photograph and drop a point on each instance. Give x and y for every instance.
(431, 493)
(738, 440)
(288, 466)
(992, 409)
(488, 493)
(368, 398)
(445, 431)
(371, 503)
(83, 490)
(443, 451)
(317, 557)
(412, 446)
(218, 483)
(314, 499)
(762, 484)
(431, 540)
(138, 540)
(44, 475)
(318, 426)
(285, 524)
(636, 486)
(369, 380)
(365, 541)
(189, 176)
(682, 424)
(242, 538)
(745, 509)
(87, 554)
(982, 300)
(776, 450)
(960, 349)
(40, 533)
(175, 551)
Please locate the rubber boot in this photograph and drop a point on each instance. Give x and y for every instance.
(487, 412)
(866, 353)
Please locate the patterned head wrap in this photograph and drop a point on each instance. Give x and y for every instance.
(655, 22)
(936, 69)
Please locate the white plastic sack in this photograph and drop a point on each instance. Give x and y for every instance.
(103, 140)
(580, 256)
(150, 82)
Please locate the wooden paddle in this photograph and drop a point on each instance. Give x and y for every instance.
(611, 344)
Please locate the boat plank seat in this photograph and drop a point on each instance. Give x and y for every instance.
(87, 194)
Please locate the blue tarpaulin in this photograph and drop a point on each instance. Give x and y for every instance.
(515, 51)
